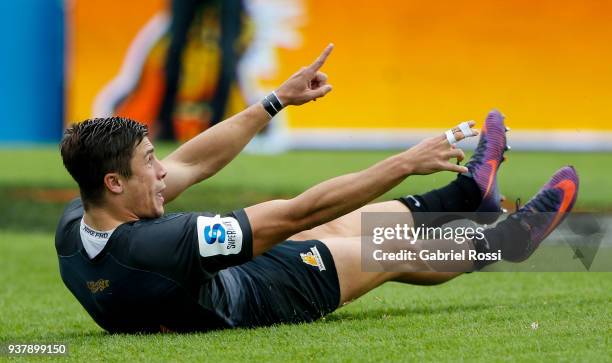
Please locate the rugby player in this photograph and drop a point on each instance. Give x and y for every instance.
(135, 269)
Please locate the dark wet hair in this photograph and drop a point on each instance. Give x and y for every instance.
(95, 147)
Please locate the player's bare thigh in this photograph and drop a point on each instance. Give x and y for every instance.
(349, 225)
(354, 282)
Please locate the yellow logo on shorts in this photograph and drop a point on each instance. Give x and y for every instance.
(97, 286)
(313, 258)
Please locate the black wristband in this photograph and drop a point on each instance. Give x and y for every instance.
(268, 107)
(273, 98)
(272, 104)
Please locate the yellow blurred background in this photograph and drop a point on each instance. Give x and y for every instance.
(406, 64)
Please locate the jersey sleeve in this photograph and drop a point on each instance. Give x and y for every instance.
(223, 241)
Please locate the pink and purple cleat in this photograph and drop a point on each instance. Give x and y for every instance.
(484, 164)
(546, 210)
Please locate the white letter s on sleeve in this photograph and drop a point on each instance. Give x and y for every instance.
(219, 236)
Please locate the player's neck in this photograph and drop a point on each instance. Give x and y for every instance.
(106, 218)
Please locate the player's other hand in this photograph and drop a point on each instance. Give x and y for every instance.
(307, 84)
(435, 153)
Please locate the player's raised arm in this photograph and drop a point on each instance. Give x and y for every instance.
(274, 221)
(207, 153)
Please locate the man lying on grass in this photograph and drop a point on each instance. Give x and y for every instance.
(135, 269)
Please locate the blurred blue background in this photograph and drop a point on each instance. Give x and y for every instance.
(32, 70)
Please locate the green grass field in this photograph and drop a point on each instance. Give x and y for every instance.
(482, 316)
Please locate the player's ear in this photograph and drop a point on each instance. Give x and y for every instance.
(114, 183)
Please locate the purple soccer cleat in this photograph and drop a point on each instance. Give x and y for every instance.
(484, 164)
(545, 211)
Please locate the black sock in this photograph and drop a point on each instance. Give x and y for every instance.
(461, 195)
(508, 236)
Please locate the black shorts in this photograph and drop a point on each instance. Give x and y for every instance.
(293, 282)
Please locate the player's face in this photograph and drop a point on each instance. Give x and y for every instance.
(144, 188)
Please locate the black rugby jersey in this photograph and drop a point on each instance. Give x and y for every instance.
(152, 274)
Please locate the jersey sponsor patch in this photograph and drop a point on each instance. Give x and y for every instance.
(97, 286)
(313, 258)
(219, 236)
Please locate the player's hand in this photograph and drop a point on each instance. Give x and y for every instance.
(307, 84)
(435, 153)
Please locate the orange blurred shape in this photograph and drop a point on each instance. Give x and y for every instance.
(188, 128)
(144, 102)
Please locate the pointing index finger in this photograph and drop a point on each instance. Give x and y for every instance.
(321, 59)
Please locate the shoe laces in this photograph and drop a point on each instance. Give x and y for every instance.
(545, 201)
(535, 212)
(517, 204)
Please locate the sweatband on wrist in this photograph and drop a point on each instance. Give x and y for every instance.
(272, 104)
(276, 101)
